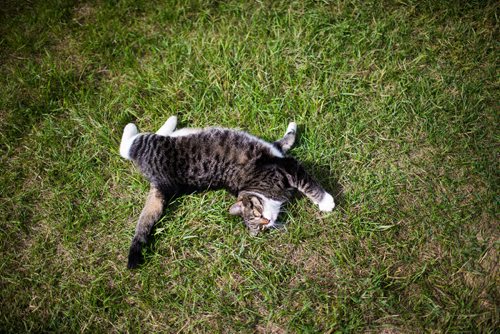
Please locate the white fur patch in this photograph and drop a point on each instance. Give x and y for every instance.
(292, 127)
(271, 208)
(130, 132)
(168, 127)
(185, 132)
(327, 203)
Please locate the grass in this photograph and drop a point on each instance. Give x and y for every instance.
(397, 107)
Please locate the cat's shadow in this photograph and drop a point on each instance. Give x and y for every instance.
(323, 176)
(327, 178)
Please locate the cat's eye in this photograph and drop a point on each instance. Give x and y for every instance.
(256, 213)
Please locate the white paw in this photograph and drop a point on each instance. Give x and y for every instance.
(292, 127)
(168, 127)
(327, 204)
(129, 133)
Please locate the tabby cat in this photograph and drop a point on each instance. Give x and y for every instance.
(189, 159)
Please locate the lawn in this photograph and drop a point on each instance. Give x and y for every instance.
(397, 107)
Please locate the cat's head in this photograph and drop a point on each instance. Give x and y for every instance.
(251, 208)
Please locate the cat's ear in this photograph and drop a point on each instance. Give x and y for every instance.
(236, 209)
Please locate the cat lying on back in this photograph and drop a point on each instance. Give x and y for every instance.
(257, 172)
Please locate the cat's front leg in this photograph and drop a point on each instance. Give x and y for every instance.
(300, 179)
(317, 195)
(151, 213)
(327, 203)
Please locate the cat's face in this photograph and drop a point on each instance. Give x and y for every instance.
(251, 209)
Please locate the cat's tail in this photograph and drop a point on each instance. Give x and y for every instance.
(130, 132)
(150, 214)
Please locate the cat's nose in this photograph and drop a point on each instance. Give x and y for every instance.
(264, 221)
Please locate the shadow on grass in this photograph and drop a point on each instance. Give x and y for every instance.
(328, 180)
(321, 173)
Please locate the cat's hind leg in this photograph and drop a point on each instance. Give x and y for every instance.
(151, 213)
(286, 143)
(169, 127)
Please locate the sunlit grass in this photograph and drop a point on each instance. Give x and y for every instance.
(395, 103)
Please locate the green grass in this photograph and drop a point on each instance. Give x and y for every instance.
(397, 103)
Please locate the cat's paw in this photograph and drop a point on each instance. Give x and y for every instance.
(129, 133)
(168, 128)
(327, 203)
(292, 127)
(135, 258)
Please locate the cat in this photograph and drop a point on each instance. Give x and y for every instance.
(181, 161)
